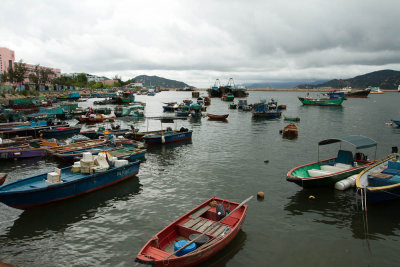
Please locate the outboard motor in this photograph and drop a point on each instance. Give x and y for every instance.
(395, 149)
(220, 211)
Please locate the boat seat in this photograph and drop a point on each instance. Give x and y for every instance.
(316, 172)
(391, 171)
(334, 168)
(343, 166)
(345, 157)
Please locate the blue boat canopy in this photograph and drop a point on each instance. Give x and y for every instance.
(358, 141)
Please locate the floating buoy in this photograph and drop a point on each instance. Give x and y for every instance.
(311, 197)
(388, 123)
(266, 161)
(260, 195)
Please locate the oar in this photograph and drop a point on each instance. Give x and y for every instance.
(241, 204)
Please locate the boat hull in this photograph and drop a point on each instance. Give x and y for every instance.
(51, 133)
(22, 153)
(35, 197)
(321, 101)
(203, 253)
(171, 138)
(324, 180)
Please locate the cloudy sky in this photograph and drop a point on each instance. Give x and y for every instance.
(199, 41)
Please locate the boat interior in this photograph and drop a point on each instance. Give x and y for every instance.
(385, 174)
(202, 221)
(344, 161)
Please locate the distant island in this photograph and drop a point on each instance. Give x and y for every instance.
(384, 79)
(159, 82)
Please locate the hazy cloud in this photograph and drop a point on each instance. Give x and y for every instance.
(199, 41)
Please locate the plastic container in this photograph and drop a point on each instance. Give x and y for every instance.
(87, 156)
(346, 183)
(179, 244)
(120, 162)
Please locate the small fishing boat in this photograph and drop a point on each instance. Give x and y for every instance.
(227, 97)
(128, 153)
(217, 117)
(290, 131)
(196, 236)
(232, 106)
(287, 118)
(321, 101)
(169, 136)
(266, 110)
(60, 131)
(75, 146)
(329, 171)
(396, 122)
(376, 91)
(28, 150)
(380, 181)
(3, 177)
(91, 118)
(64, 183)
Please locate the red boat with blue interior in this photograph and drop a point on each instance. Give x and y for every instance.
(196, 236)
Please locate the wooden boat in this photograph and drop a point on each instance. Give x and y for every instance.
(71, 155)
(75, 146)
(91, 119)
(217, 117)
(60, 131)
(287, 118)
(380, 181)
(358, 93)
(329, 171)
(290, 131)
(321, 101)
(36, 191)
(3, 177)
(128, 153)
(165, 137)
(209, 233)
(92, 134)
(28, 150)
(232, 106)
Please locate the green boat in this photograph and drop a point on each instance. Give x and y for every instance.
(228, 97)
(321, 101)
(329, 171)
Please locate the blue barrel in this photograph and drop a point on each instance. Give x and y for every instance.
(180, 244)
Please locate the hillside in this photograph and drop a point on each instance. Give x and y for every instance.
(156, 81)
(384, 79)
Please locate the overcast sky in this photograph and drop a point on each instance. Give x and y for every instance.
(199, 41)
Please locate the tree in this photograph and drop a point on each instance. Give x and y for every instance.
(33, 78)
(20, 70)
(4, 77)
(45, 75)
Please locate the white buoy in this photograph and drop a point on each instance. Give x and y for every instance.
(346, 183)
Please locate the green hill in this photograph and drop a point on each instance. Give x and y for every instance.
(384, 79)
(160, 82)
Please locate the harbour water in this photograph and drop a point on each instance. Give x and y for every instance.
(224, 159)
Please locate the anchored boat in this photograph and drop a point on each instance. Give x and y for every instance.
(329, 171)
(196, 236)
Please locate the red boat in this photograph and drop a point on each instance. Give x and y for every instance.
(3, 177)
(210, 227)
(217, 117)
(91, 119)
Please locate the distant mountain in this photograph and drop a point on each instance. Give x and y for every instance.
(156, 81)
(282, 85)
(384, 79)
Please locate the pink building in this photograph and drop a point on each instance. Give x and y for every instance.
(31, 69)
(7, 58)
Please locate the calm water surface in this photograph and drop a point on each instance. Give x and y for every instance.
(224, 159)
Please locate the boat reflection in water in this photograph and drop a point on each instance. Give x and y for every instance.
(338, 208)
(59, 216)
(228, 253)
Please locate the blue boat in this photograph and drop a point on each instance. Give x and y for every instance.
(380, 181)
(60, 131)
(165, 137)
(34, 191)
(266, 110)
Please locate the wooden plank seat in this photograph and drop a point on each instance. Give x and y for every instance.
(205, 226)
(380, 175)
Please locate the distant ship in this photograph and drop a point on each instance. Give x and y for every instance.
(217, 90)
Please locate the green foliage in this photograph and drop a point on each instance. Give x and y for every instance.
(20, 70)
(23, 92)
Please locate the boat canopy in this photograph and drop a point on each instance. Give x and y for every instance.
(358, 141)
